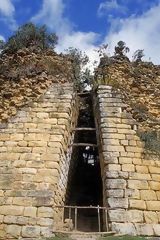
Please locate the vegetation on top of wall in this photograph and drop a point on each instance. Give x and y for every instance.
(151, 139)
(29, 35)
(82, 75)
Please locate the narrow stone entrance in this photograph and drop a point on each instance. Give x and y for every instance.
(84, 183)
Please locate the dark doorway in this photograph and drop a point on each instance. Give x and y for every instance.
(84, 182)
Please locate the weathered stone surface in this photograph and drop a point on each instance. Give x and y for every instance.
(30, 211)
(124, 228)
(151, 217)
(118, 202)
(45, 212)
(116, 184)
(13, 230)
(153, 205)
(118, 215)
(144, 229)
(30, 231)
(148, 195)
(134, 216)
(137, 204)
(156, 229)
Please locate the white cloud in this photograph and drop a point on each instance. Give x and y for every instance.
(142, 32)
(52, 14)
(7, 11)
(109, 6)
(2, 38)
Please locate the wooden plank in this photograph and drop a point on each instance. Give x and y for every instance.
(84, 145)
(75, 218)
(99, 220)
(80, 207)
(84, 129)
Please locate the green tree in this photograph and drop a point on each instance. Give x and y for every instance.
(138, 55)
(121, 49)
(31, 35)
(2, 45)
(79, 60)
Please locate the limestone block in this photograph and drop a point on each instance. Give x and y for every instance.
(119, 193)
(39, 149)
(137, 204)
(128, 167)
(154, 185)
(30, 211)
(11, 210)
(150, 217)
(42, 115)
(20, 220)
(158, 195)
(124, 142)
(142, 169)
(144, 229)
(118, 215)
(1, 218)
(153, 205)
(134, 149)
(114, 167)
(55, 144)
(17, 137)
(54, 165)
(113, 174)
(22, 201)
(154, 169)
(118, 202)
(45, 222)
(53, 150)
(111, 142)
(156, 177)
(148, 195)
(30, 231)
(124, 228)
(13, 230)
(30, 125)
(134, 216)
(19, 164)
(132, 193)
(140, 176)
(133, 143)
(137, 184)
(116, 184)
(40, 136)
(44, 125)
(47, 232)
(45, 212)
(156, 229)
(113, 136)
(4, 137)
(110, 148)
(56, 138)
(50, 157)
(125, 160)
(28, 170)
(22, 143)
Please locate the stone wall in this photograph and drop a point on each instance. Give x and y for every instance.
(131, 180)
(34, 161)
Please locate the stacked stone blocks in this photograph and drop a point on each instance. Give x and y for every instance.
(131, 180)
(33, 147)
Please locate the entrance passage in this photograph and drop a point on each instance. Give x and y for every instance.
(84, 182)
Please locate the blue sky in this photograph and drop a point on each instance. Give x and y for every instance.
(85, 24)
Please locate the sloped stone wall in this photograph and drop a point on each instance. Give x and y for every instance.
(34, 162)
(131, 180)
